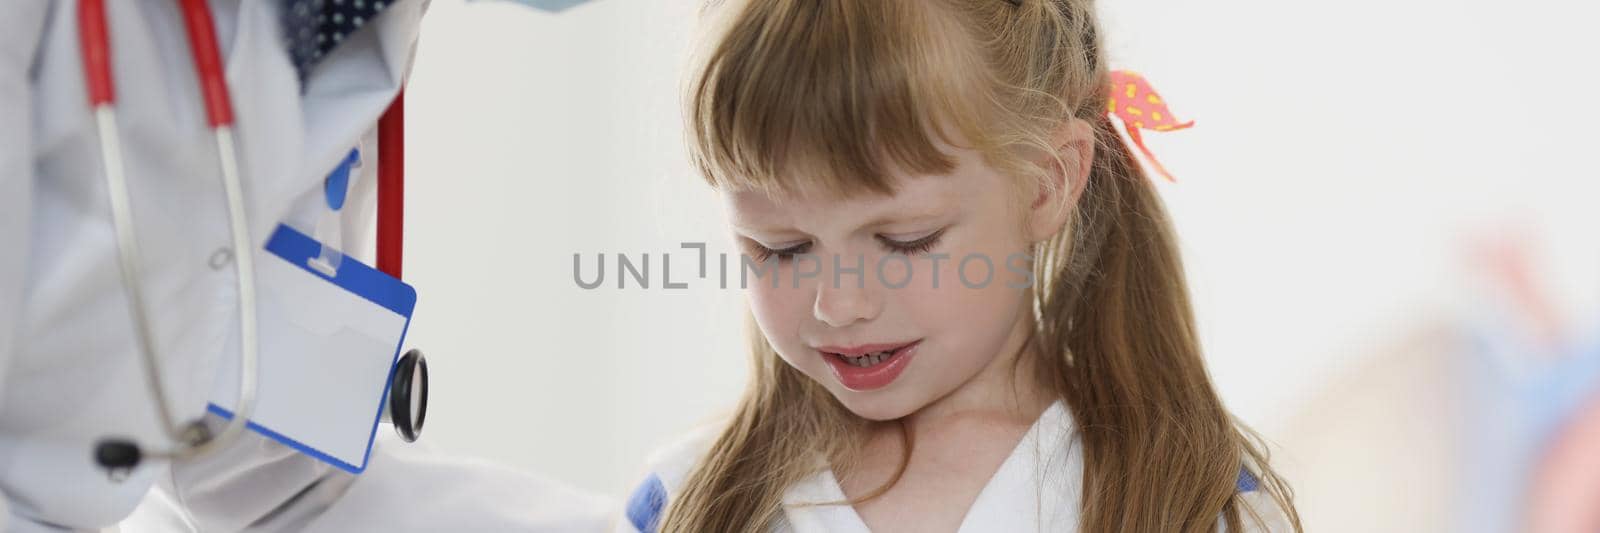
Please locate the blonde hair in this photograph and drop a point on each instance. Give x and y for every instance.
(806, 96)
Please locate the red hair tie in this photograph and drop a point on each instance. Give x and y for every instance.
(1139, 106)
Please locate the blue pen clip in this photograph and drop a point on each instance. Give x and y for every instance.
(334, 190)
(337, 185)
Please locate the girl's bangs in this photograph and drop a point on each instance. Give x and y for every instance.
(831, 98)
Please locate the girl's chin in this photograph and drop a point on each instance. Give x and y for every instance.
(877, 407)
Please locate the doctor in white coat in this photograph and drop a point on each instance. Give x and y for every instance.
(70, 372)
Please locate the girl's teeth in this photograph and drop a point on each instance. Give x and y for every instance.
(868, 360)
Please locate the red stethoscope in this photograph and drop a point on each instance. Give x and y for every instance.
(409, 383)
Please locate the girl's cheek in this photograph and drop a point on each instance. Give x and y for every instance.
(895, 272)
(780, 300)
(762, 304)
(778, 311)
(944, 306)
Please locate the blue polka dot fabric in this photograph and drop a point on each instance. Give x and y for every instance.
(313, 28)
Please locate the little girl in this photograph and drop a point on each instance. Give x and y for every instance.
(970, 307)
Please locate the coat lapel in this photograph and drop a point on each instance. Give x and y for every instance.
(1035, 489)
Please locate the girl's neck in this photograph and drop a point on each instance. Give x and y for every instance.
(1007, 391)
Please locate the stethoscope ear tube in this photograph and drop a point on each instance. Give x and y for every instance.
(408, 395)
(408, 385)
(392, 187)
(194, 438)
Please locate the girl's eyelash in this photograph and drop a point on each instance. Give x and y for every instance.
(763, 253)
(916, 247)
(919, 246)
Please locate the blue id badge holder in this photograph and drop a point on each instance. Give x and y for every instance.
(331, 329)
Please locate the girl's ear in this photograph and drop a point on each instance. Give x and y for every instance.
(1058, 192)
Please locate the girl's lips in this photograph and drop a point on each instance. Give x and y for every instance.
(861, 379)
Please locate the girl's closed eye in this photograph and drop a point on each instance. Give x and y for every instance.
(763, 252)
(913, 247)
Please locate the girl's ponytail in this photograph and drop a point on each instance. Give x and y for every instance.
(1161, 452)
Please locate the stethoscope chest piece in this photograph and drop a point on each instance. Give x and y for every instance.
(408, 395)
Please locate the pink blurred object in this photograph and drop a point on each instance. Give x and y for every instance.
(1508, 260)
(1565, 494)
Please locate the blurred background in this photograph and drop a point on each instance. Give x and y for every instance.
(1388, 211)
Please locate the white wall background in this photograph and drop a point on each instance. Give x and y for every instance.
(1344, 154)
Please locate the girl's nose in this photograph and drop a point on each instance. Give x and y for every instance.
(844, 300)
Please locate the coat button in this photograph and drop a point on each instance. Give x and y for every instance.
(221, 258)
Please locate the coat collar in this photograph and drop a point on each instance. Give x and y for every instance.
(1035, 489)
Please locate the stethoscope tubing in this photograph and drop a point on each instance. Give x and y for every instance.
(191, 439)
